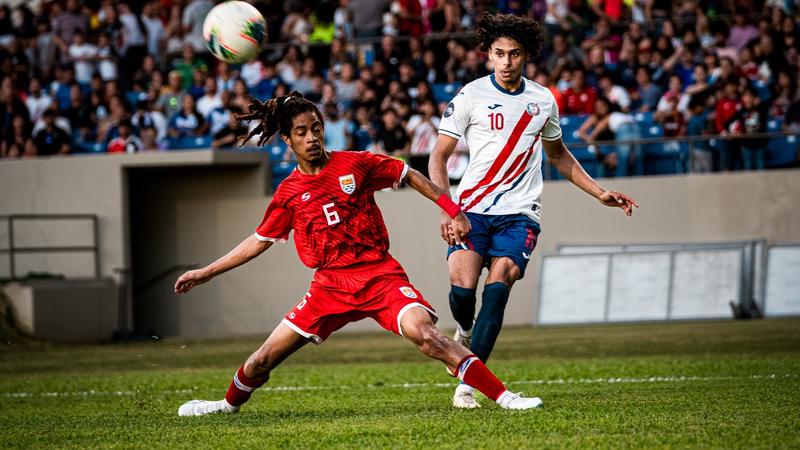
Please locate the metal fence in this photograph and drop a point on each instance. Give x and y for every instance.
(13, 248)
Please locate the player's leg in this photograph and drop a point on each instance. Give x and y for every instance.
(465, 263)
(503, 272)
(512, 244)
(252, 374)
(416, 325)
(465, 269)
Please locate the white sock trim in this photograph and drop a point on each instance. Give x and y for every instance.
(239, 385)
(462, 369)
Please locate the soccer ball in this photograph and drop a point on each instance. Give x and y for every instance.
(233, 31)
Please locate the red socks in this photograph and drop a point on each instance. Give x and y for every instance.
(474, 372)
(242, 387)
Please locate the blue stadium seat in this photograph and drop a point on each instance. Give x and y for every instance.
(281, 170)
(588, 160)
(664, 159)
(645, 119)
(134, 97)
(569, 127)
(782, 151)
(89, 148)
(444, 92)
(189, 143)
(763, 90)
(673, 159)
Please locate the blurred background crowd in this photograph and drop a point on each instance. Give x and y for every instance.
(107, 76)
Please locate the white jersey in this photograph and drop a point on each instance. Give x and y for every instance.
(504, 132)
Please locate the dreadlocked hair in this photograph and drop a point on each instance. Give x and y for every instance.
(528, 32)
(276, 115)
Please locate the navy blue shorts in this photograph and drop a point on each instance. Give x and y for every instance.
(513, 236)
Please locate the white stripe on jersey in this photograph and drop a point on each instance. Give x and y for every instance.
(504, 132)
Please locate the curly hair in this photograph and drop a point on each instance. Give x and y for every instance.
(276, 115)
(528, 32)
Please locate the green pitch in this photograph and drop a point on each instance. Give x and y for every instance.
(686, 385)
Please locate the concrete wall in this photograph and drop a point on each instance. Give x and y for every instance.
(182, 216)
(253, 298)
(65, 311)
(89, 185)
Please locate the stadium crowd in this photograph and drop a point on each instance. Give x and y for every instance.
(108, 76)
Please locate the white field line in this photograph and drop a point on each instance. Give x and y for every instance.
(563, 381)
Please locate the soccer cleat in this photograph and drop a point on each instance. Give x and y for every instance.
(510, 400)
(465, 397)
(203, 407)
(463, 337)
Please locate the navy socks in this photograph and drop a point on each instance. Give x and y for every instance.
(462, 305)
(490, 319)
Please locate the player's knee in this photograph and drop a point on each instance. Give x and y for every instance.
(463, 280)
(504, 271)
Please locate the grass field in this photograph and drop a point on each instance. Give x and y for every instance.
(684, 385)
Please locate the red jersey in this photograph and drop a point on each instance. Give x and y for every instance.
(726, 109)
(580, 102)
(336, 222)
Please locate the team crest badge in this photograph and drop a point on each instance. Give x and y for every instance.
(348, 183)
(449, 110)
(408, 292)
(533, 109)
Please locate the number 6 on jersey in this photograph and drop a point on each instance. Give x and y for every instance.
(330, 214)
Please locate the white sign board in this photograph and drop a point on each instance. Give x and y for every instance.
(639, 287)
(783, 282)
(705, 282)
(573, 289)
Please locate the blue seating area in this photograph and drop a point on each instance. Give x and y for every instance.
(444, 92)
(189, 142)
(781, 151)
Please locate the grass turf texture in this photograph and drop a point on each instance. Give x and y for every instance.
(348, 393)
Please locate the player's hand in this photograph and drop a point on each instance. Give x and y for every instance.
(459, 228)
(444, 229)
(619, 200)
(191, 279)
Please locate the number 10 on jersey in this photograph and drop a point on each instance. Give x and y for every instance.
(496, 121)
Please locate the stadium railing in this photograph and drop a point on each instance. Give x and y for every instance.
(13, 249)
(676, 155)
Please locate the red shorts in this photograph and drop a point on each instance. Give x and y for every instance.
(382, 293)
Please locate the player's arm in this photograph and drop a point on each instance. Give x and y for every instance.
(242, 253)
(457, 220)
(437, 168)
(566, 164)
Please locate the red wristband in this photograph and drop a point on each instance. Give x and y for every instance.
(448, 206)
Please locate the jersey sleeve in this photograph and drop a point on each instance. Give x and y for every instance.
(552, 129)
(456, 116)
(384, 171)
(276, 224)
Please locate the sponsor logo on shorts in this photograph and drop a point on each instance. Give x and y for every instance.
(306, 196)
(348, 183)
(526, 255)
(449, 110)
(408, 292)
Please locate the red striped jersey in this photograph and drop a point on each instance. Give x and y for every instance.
(335, 219)
(504, 132)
